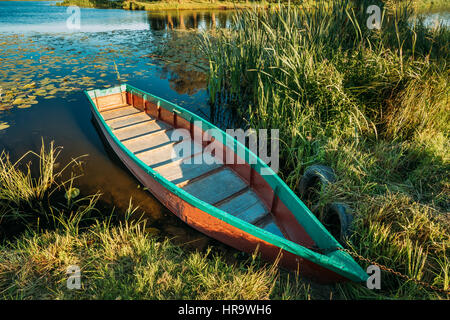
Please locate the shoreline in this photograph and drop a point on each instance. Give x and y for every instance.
(160, 5)
(419, 6)
(132, 5)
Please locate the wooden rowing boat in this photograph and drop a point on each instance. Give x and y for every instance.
(232, 202)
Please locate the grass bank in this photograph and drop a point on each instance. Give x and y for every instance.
(422, 5)
(118, 257)
(371, 104)
(419, 5)
(164, 5)
(125, 262)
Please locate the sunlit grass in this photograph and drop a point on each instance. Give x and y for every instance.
(18, 186)
(166, 5)
(373, 105)
(36, 192)
(118, 259)
(122, 262)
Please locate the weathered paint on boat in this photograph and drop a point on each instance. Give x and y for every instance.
(306, 247)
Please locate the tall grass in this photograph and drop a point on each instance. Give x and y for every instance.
(123, 262)
(18, 186)
(371, 104)
(35, 194)
(118, 259)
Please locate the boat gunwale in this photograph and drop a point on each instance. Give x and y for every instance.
(332, 258)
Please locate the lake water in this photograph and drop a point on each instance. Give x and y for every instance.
(45, 65)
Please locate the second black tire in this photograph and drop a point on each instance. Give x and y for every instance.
(314, 177)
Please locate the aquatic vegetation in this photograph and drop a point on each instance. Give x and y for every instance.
(4, 125)
(38, 71)
(182, 63)
(373, 105)
(51, 66)
(24, 79)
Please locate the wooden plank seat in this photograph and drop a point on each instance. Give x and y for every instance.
(184, 170)
(113, 107)
(249, 207)
(166, 153)
(140, 129)
(272, 227)
(129, 120)
(119, 112)
(148, 140)
(246, 206)
(185, 164)
(217, 186)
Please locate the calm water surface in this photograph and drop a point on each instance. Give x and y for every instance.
(45, 66)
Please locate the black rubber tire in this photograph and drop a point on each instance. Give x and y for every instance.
(315, 177)
(338, 220)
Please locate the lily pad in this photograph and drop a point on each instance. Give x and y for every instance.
(18, 101)
(29, 85)
(4, 125)
(72, 193)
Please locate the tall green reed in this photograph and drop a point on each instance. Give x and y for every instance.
(40, 196)
(373, 104)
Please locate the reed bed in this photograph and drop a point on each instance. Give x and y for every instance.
(372, 104)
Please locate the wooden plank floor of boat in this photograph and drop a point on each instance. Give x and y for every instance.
(184, 164)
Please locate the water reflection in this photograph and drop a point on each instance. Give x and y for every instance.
(186, 19)
(184, 81)
(181, 60)
(45, 16)
(434, 19)
(183, 65)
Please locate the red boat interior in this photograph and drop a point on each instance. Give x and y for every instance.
(146, 128)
